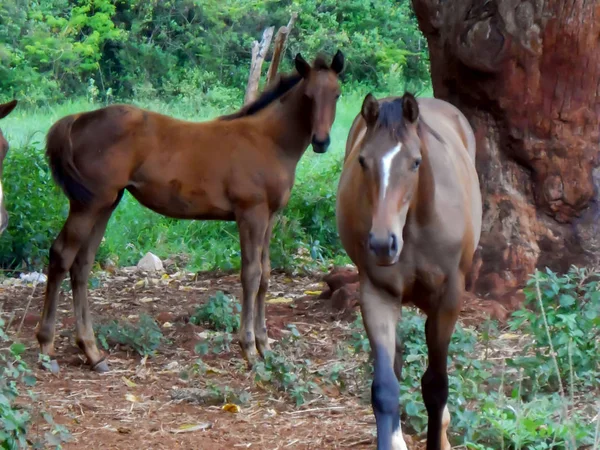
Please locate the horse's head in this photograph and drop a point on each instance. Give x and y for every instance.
(323, 90)
(390, 157)
(5, 110)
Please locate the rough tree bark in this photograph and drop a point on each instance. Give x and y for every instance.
(279, 47)
(526, 73)
(259, 52)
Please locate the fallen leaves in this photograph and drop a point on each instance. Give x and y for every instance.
(231, 407)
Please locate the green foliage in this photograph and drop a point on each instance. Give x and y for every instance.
(37, 209)
(493, 403)
(217, 343)
(50, 48)
(16, 419)
(144, 337)
(221, 313)
(285, 375)
(571, 310)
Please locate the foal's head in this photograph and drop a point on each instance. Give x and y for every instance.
(5, 110)
(323, 90)
(390, 157)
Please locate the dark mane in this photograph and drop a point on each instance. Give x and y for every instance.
(320, 63)
(391, 117)
(284, 84)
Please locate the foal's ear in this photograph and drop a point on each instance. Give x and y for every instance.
(370, 109)
(302, 66)
(410, 107)
(337, 64)
(7, 108)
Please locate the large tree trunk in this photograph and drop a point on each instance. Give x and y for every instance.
(526, 74)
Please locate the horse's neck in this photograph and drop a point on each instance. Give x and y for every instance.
(291, 123)
(424, 201)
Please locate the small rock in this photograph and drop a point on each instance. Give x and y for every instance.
(340, 276)
(346, 297)
(150, 263)
(33, 277)
(165, 317)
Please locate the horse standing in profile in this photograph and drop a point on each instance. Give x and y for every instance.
(240, 167)
(409, 216)
(5, 110)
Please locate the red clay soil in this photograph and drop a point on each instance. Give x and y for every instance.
(131, 407)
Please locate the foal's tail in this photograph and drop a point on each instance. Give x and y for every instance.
(59, 150)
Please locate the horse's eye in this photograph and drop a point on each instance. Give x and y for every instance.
(337, 96)
(416, 164)
(361, 161)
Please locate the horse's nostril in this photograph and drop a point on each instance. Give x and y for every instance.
(393, 243)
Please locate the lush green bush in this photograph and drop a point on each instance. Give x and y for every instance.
(138, 48)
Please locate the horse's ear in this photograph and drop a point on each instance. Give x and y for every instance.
(302, 66)
(7, 108)
(370, 110)
(337, 64)
(410, 107)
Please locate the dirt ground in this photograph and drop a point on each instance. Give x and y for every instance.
(131, 407)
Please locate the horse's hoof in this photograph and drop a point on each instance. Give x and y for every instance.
(101, 367)
(51, 366)
(263, 348)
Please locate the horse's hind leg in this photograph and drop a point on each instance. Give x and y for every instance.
(438, 329)
(80, 271)
(74, 233)
(260, 323)
(252, 225)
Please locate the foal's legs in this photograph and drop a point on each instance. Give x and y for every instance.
(260, 323)
(73, 235)
(380, 312)
(438, 329)
(80, 271)
(252, 225)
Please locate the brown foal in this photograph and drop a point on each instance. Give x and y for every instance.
(409, 216)
(5, 110)
(239, 167)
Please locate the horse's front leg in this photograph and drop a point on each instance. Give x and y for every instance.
(252, 224)
(438, 330)
(380, 312)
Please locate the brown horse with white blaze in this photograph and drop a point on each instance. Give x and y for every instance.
(5, 110)
(239, 167)
(409, 216)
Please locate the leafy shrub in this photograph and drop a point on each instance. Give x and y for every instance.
(36, 208)
(220, 313)
(144, 337)
(570, 307)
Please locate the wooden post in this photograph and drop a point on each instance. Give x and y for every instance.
(279, 46)
(259, 51)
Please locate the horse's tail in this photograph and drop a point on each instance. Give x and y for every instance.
(59, 151)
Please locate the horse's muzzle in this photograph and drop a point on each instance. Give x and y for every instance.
(320, 146)
(384, 248)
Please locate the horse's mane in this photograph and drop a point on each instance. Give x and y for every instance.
(284, 84)
(391, 117)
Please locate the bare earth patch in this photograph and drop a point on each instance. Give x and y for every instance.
(138, 404)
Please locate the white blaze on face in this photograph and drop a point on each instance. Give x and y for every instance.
(386, 168)
(1, 205)
(398, 440)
